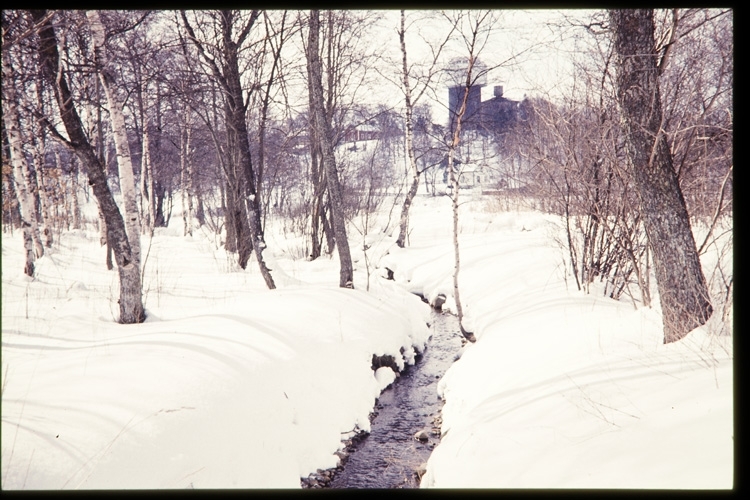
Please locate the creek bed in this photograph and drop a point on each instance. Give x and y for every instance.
(390, 456)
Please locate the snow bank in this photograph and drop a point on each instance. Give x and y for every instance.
(562, 389)
(230, 385)
(225, 385)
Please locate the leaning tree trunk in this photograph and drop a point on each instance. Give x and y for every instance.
(679, 278)
(247, 194)
(323, 126)
(11, 120)
(122, 147)
(131, 304)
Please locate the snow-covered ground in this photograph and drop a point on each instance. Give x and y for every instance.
(229, 385)
(225, 385)
(564, 389)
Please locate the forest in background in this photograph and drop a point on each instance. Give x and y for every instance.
(240, 116)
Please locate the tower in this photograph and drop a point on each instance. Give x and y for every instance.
(457, 72)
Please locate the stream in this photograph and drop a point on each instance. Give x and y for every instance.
(392, 453)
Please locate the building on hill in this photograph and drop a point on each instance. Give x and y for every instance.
(492, 116)
(361, 132)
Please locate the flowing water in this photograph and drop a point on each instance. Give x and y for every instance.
(391, 454)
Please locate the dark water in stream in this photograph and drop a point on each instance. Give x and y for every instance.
(389, 456)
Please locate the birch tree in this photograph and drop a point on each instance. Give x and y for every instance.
(131, 304)
(186, 173)
(473, 28)
(410, 101)
(12, 138)
(683, 292)
(147, 179)
(11, 119)
(107, 73)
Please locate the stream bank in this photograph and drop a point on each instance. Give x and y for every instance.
(405, 423)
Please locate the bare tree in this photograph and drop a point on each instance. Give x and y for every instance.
(410, 101)
(20, 168)
(325, 138)
(131, 305)
(682, 287)
(12, 135)
(243, 195)
(107, 74)
(474, 28)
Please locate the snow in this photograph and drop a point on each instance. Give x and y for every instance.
(564, 389)
(225, 385)
(230, 385)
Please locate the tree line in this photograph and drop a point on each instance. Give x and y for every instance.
(236, 115)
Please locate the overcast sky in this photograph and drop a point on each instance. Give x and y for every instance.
(526, 50)
(529, 52)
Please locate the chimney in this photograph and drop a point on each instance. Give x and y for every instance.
(498, 90)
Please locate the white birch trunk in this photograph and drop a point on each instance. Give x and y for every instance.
(32, 237)
(147, 192)
(143, 200)
(25, 201)
(186, 176)
(124, 163)
(404, 222)
(454, 178)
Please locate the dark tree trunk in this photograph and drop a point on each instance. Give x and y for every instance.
(318, 181)
(249, 204)
(325, 135)
(159, 192)
(243, 200)
(131, 305)
(682, 287)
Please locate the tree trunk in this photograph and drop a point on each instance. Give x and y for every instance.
(76, 205)
(247, 194)
(41, 181)
(131, 305)
(682, 287)
(404, 222)
(147, 174)
(147, 181)
(243, 198)
(455, 178)
(24, 200)
(124, 163)
(186, 175)
(11, 120)
(323, 128)
(318, 181)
